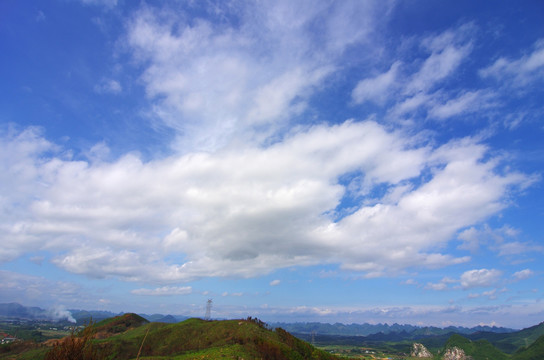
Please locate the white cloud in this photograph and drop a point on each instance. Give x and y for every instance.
(442, 285)
(447, 51)
(491, 294)
(376, 89)
(436, 286)
(413, 88)
(523, 274)
(521, 71)
(108, 86)
(27, 289)
(21, 178)
(439, 65)
(467, 102)
(480, 278)
(517, 247)
(410, 105)
(247, 211)
(502, 240)
(275, 282)
(213, 83)
(470, 238)
(164, 291)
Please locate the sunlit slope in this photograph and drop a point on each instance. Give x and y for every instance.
(195, 338)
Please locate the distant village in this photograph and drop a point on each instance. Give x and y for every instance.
(6, 338)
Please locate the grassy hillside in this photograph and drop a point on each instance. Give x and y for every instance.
(123, 337)
(511, 342)
(535, 351)
(195, 338)
(478, 350)
(118, 324)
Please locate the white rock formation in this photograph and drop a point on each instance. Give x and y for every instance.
(455, 353)
(420, 351)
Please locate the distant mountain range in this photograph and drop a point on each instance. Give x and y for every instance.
(385, 329)
(18, 311)
(506, 342)
(15, 310)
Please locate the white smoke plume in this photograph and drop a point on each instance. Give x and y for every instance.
(60, 313)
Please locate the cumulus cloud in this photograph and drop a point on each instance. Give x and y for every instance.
(245, 212)
(442, 285)
(243, 196)
(480, 278)
(523, 274)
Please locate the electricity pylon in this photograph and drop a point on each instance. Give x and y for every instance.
(208, 310)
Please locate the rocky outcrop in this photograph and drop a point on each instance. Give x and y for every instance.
(420, 351)
(455, 353)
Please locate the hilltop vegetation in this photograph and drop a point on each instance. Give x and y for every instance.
(209, 339)
(125, 337)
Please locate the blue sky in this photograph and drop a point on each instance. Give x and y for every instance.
(351, 161)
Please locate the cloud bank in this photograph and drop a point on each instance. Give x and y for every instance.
(246, 213)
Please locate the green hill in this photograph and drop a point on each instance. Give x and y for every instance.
(478, 350)
(510, 342)
(124, 337)
(118, 324)
(535, 351)
(195, 338)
